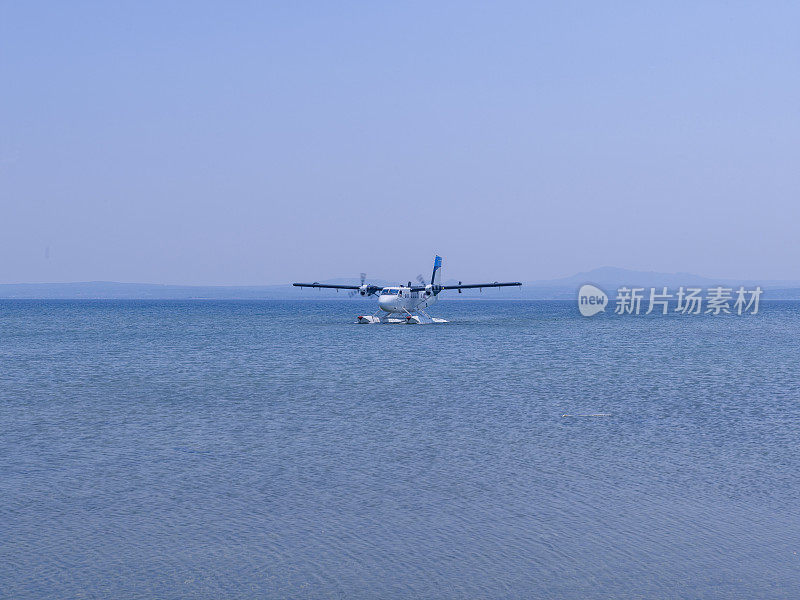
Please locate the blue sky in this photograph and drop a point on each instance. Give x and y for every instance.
(258, 143)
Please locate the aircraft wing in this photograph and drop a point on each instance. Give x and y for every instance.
(370, 289)
(438, 288)
(481, 285)
(326, 285)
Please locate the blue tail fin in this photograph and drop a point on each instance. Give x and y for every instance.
(437, 271)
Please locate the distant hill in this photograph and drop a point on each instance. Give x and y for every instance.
(612, 278)
(607, 278)
(114, 290)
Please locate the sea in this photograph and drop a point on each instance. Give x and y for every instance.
(276, 449)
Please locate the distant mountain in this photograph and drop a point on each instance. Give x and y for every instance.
(616, 276)
(607, 278)
(113, 290)
(612, 278)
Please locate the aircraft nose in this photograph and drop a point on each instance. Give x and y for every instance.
(385, 303)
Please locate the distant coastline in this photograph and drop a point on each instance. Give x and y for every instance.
(608, 278)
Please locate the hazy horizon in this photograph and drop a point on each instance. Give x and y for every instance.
(264, 143)
(604, 272)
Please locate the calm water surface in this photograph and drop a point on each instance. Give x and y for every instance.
(275, 449)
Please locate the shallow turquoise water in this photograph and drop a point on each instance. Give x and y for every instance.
(276, 449)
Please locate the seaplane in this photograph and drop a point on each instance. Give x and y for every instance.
(405, 303)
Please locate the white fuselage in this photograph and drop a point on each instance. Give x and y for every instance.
(400, 299)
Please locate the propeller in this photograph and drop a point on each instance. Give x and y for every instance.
(423, 283)
(359, 291)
